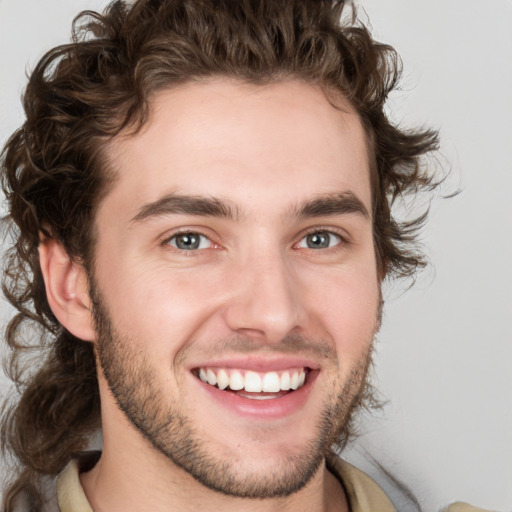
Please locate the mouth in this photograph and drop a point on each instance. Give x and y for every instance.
(255, 385)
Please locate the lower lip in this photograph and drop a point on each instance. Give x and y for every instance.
(265, 409)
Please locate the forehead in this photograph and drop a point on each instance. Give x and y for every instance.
(280, 142)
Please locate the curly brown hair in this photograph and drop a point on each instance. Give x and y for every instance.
(82, 94)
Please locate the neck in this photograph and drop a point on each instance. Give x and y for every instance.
(139, 478)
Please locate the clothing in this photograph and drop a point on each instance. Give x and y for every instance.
(363, 494)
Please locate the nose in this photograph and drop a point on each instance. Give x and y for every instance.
(265, 302)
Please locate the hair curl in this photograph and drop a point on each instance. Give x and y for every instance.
(84, 93)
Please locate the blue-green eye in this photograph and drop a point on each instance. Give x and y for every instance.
(190, 241)
(320, 240)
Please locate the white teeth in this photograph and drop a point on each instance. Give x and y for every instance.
(253, 382)
(285, 381)
(211, 377)
(236, 381)
(222, 379)
(294, 380)
(271, 383)
(259, 397)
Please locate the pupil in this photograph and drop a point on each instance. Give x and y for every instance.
(187, 241)
(318, 241)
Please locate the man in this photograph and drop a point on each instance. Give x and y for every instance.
(202, 195)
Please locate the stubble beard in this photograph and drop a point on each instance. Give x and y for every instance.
(133, 385)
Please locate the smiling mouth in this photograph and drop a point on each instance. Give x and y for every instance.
(254, 385)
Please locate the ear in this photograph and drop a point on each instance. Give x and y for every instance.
(67, 289)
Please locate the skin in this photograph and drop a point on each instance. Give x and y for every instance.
(254, 284)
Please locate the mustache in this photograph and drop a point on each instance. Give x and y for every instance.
(291, 344)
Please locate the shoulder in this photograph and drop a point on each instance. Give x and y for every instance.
(464, 507)
(363, 493)
(49, 494)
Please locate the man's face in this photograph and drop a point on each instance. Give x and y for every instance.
(236, 248)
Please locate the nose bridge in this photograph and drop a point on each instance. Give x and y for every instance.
(265, 302)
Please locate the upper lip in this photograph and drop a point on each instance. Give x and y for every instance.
(259, 364)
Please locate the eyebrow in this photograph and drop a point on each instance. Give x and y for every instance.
(187, 205)
(331, 204)
(324, 205)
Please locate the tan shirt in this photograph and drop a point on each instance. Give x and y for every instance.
(363, 494)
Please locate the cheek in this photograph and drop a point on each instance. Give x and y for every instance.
(347, 305)
(159, 305)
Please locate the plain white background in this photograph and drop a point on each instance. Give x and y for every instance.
(444, 355)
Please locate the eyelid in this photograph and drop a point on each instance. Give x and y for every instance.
(326, 229)
(173, 241)
(168, 236)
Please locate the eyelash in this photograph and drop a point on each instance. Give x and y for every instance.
(186, 252)
(344, 241)
(317, 230)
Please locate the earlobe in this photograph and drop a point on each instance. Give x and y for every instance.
(66, 289)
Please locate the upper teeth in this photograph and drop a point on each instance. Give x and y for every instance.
(254, 382)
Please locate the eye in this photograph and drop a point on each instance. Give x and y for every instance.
(320, 240)
(189, 241)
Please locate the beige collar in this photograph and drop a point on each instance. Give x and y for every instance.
(363, 494)
(70, 494)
